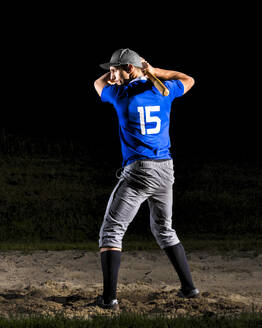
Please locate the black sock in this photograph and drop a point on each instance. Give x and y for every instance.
(177, 256)
(110, 261)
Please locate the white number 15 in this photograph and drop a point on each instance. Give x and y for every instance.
(149, 119)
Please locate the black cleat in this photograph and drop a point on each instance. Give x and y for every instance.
(112, 305)
(189, 294)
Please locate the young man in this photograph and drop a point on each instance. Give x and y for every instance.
(147, 174)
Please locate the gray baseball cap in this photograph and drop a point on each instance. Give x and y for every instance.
(123, 57)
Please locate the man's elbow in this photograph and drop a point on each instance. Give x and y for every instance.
(97, 87)
(189, 84)
(95, 84)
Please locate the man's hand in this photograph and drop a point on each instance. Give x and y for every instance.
(164, 74)
(147, 67)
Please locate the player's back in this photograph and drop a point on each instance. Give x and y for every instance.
(144, 121)
(144, 116)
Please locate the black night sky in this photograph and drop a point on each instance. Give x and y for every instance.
(55, 64)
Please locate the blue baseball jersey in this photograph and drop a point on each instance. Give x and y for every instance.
(144, 116)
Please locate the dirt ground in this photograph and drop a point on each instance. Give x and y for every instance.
(68, 282)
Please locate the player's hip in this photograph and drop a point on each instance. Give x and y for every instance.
(152, 174)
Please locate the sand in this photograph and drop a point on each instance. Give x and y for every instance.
(68, 282)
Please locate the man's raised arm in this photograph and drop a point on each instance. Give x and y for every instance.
(101, 82)
(164, 74)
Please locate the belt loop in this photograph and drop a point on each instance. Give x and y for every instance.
(117, 172)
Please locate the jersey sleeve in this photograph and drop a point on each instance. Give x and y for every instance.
(176, 88)
(109, 93)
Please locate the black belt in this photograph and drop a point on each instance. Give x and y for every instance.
(155, 160)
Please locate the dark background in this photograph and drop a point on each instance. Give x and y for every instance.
(56, 55)
(52, 59)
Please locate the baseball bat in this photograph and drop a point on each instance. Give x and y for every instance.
(158, 84)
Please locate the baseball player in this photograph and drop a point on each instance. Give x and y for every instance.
(147, 169)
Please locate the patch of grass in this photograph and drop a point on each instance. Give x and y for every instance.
(247, 320)
(64, 199)
(230, 244)
(47, 246)
(233, 245)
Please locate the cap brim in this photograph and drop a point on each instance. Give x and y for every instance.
(107, 65)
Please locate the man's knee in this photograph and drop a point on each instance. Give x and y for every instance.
(165, 237)
(104, 249)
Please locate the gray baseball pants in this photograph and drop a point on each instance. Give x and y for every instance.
(139, 181)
